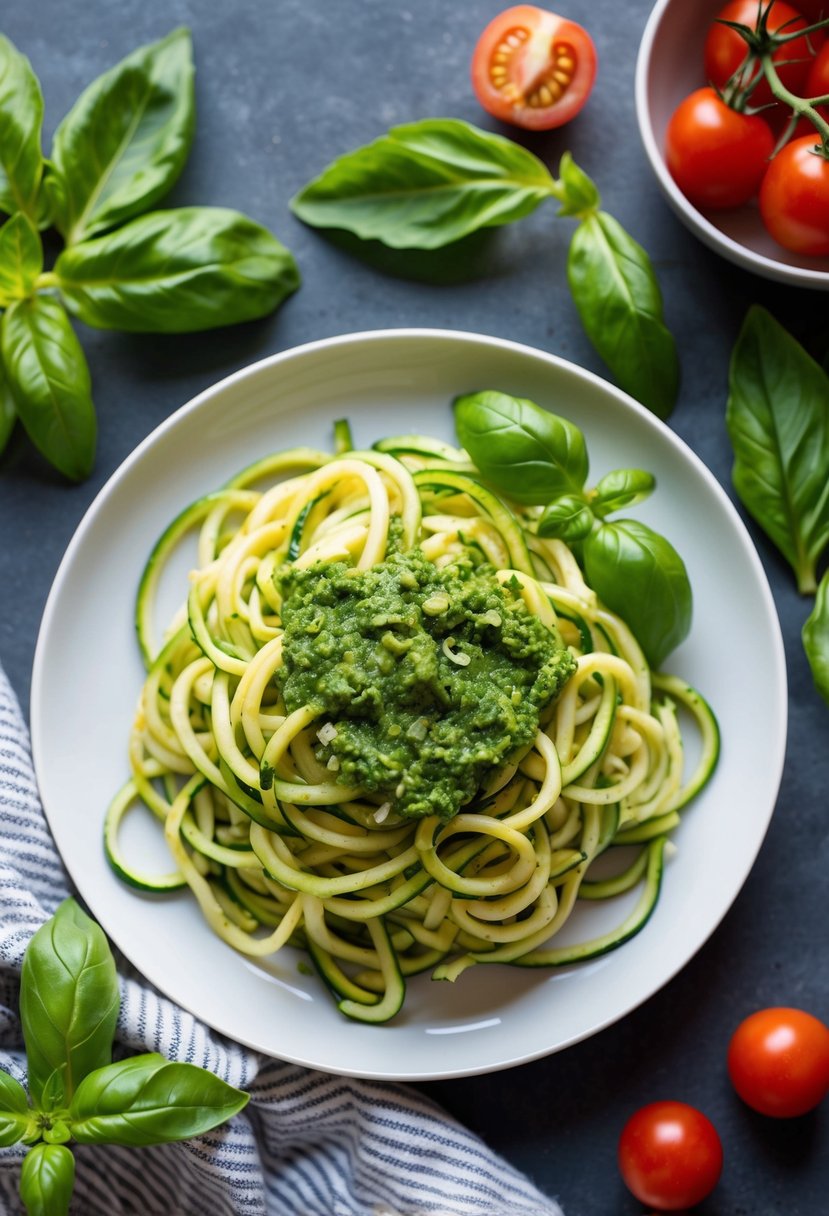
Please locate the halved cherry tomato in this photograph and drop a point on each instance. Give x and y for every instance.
(533, 68)
(670, 1156)
(716, 155)
(725, 50)
(778, 1061)
(794, 198)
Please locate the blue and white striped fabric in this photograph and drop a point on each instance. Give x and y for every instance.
(307, 1144)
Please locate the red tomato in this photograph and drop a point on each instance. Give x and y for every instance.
(716, 155)
(725, 50)
(794, 198)
(532, 68)
(670, 1156)
(778, 1061)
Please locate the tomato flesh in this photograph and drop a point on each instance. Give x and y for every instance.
(670, 1156)
(725, 50)
(778, 1062)
(716, 155)
(533, 68)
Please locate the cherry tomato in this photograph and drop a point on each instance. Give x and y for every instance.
(670, 1156)
(716, 155)
(725, 50)
(778, 1061)
(794, 198)
(533, 68)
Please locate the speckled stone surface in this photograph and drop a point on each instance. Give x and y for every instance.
(283, 87)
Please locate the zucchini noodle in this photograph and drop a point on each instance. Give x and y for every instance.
(264, 820)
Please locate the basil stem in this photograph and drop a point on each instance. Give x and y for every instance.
(69, 1003)
(528, 453)
(47, 1179)
(146, 1100)
(50, 383)
(21, 118)
(777, 417)
(425, 185)
(124, 142)
(638, 574)
(190, 268)
(21, 258)
(815, 636)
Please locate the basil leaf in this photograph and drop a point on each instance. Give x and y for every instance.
(124, 142)
(425, 185)
(8, 409)
(619, 301)
(176, 271)
(16, 1117)
(528, 453)
(622, 488)
(69, 1003)
(638, 574)
(47, 1178)
(577, 192)
(49, 379)
(21, 118)
(778, 421)
(815, 635)
(148, 1100)
(568, 518)
(21, 258)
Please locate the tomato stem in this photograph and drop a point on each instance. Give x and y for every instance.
(802, 107)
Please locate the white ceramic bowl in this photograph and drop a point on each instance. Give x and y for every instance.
(87, 674)
(669, 67)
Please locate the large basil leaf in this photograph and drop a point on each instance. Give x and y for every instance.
(425, 185)
(16, 1118)
(816, 638)
(620, 304)
(778, 420)
(8, 409)
(47, 1178)
(638, 574)
(21, 118)
(175, 271)
(124, 142)
(69, 1004)
(528, 453)
(148, 1100)
(50, 383)
(21, 258)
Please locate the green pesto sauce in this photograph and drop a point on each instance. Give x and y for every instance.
(372, 652)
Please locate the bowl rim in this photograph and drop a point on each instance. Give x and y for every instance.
(707, 232)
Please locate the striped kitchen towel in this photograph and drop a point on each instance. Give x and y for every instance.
(307, 1144)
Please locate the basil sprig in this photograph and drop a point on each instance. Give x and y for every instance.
(539, 459)
(431, 183)
(778, 422)
(123, 266)
(69, 1002)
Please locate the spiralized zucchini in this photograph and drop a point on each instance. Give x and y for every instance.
(278, 852)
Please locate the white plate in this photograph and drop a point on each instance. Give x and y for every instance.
(87, 676)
